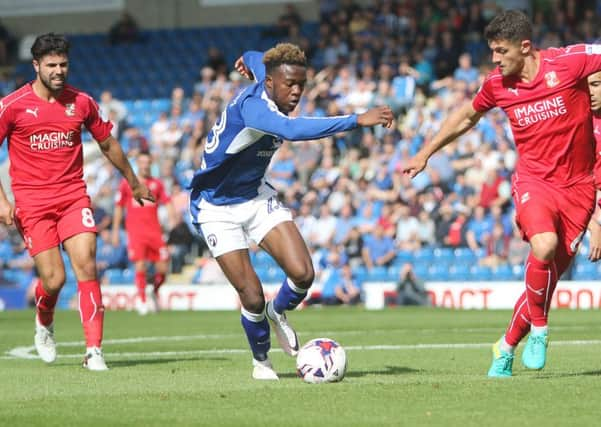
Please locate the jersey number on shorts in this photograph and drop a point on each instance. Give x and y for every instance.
(87, 218)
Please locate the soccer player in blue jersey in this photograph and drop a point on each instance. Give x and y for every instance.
(231, 202)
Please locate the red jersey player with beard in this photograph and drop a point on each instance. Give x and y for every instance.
(144, 232)
(545, 96)
(594, 86)
(42, 122)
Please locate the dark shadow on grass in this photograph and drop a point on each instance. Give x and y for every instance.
(546, 376)
(159, 361)
(388, 370)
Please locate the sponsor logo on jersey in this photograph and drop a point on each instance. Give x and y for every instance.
(551, 79)
(70, 110)
(539, 111)
(51, 140)
(513, 90)
(32, 111)
(275, 144)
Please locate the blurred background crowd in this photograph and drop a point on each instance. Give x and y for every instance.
(361, 217)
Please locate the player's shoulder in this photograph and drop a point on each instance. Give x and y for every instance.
(76, 93)
(13, 98)
(558, 53)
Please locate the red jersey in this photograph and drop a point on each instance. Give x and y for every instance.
(550, 117)
(44, 142)
(597, 134)
(142, 219)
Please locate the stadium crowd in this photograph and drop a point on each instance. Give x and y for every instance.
(352, 203)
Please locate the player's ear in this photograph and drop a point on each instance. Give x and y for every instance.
(269, 82)
(526, 47)
(36, 65)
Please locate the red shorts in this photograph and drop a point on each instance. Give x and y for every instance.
(564, 211)
(147, 248)
(46, 227)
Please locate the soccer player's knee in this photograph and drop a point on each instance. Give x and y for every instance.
(303, 277)
(254, 303)
(544, 249)
(53, 281)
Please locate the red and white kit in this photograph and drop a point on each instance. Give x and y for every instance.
(553, 185)
(44, 145)
(144, 232)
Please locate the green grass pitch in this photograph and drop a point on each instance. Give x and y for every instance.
(406, 367)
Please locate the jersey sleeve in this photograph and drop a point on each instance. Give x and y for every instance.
(263, 115)
(582, 59)
(254, 61)
(6, 123)
(121, 195)
(99, 129)
(485, 98)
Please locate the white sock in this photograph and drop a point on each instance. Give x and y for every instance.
(506, 347)
(537, 330)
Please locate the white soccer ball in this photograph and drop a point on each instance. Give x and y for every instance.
(321, 360)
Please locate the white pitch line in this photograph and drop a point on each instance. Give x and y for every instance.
(27, 352)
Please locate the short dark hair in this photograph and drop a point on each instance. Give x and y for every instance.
(50, 43)
(284, 53)
(511, 25)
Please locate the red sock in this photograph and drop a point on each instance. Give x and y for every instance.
(91, 311)
(541, 278)
(45, 304)
(520, 322)
(159, 279)
(141, 285)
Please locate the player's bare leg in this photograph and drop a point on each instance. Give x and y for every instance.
(160, 273)
(140, 279)
(82, 252)
(237, 268)
(51, 270)
(286, 245)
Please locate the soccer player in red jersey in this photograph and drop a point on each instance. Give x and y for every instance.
(42, 122)
(594, 86)
(545, 96)
(144, 232)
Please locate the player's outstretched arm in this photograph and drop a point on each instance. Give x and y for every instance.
(6, 208)
(112, 151)
(263, 115)
(454, 126)
(376, 116)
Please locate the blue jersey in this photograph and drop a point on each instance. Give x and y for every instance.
(240, 145)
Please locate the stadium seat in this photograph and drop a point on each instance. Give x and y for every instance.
(480, 273)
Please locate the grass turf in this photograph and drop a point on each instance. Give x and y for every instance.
(193, 368)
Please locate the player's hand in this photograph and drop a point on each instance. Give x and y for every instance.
(594, 253)
(415, 165)
(376, 116)
(6, 213)
(141, 193)
(241, 67)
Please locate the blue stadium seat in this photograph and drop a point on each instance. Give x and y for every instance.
(378, 274)
(480, 273)
(503, 272)
(444, 255)
(459, 273)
